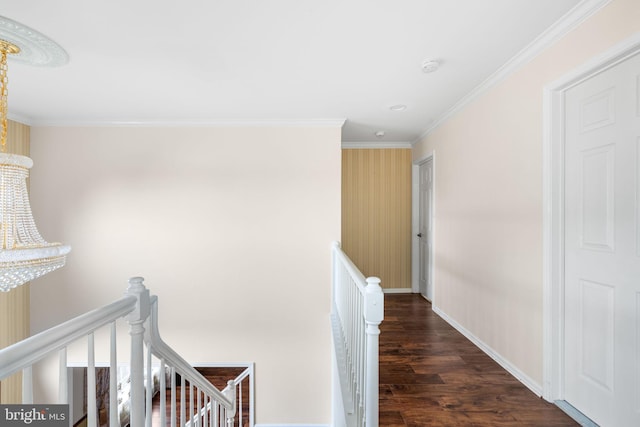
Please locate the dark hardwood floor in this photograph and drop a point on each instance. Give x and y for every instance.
(431, 375)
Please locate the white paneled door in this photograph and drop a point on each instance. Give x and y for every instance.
(602, 246)
(425, 231)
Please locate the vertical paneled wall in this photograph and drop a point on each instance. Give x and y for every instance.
(14, 305)
(376, 213)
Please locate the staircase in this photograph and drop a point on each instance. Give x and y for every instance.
(153, 365)
(162, 389)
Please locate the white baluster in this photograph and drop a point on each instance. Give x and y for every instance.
(212, 413)
(359, 350)
(199, 406)
(163, 395)
(173, 397)
(205, 418)
(149, 389)
(27, 385)
(240, 403)
(191, 406)
(63, 379)
(92, 411)
(136, 320)
(183, 401)
(114, 420)
(354, 322)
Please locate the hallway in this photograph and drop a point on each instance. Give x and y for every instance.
(432, 375)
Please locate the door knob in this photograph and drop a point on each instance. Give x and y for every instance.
(419, 234)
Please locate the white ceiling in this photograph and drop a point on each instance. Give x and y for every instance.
(200, 62)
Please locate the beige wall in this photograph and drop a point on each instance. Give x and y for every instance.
(488, 260)
(376, 213)
(232, 229)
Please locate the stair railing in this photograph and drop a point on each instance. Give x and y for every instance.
(210, 406)
(140, 311)
(358, 310)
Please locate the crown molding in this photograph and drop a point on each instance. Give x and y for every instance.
(572, 19)
(376, 144)
(331, 123)
(20, 119)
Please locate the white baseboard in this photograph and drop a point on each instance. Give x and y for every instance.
(292, 425)
(397, 290)
(520, 376)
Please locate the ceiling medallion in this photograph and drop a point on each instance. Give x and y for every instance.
(35, 48)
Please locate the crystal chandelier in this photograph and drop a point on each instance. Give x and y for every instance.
(24, 254)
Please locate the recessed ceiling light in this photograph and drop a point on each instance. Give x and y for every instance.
(430, 65)
(398, 107)
(379, 134)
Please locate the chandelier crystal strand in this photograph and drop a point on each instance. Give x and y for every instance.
(24, 254)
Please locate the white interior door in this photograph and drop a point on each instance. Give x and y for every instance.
(425, 229)
(602, 246)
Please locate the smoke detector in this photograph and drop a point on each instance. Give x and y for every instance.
(380, 134)
(430, 65)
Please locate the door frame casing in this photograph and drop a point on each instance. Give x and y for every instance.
(415, 222)
(553, 209)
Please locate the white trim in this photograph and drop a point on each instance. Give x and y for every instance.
(415, 222)
(513, 370)
(376, 144)
(20, 119)
(157, 363)
(581, 418)
(397, 290)
(576, 16)
(292, 425)
(187, 123)
(553, 215)
(223, 365)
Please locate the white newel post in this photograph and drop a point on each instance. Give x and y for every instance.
(373, 315)
(136, 321)
(230, 392)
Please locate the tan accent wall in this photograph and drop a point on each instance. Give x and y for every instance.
(376, 213)
(14, 305)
